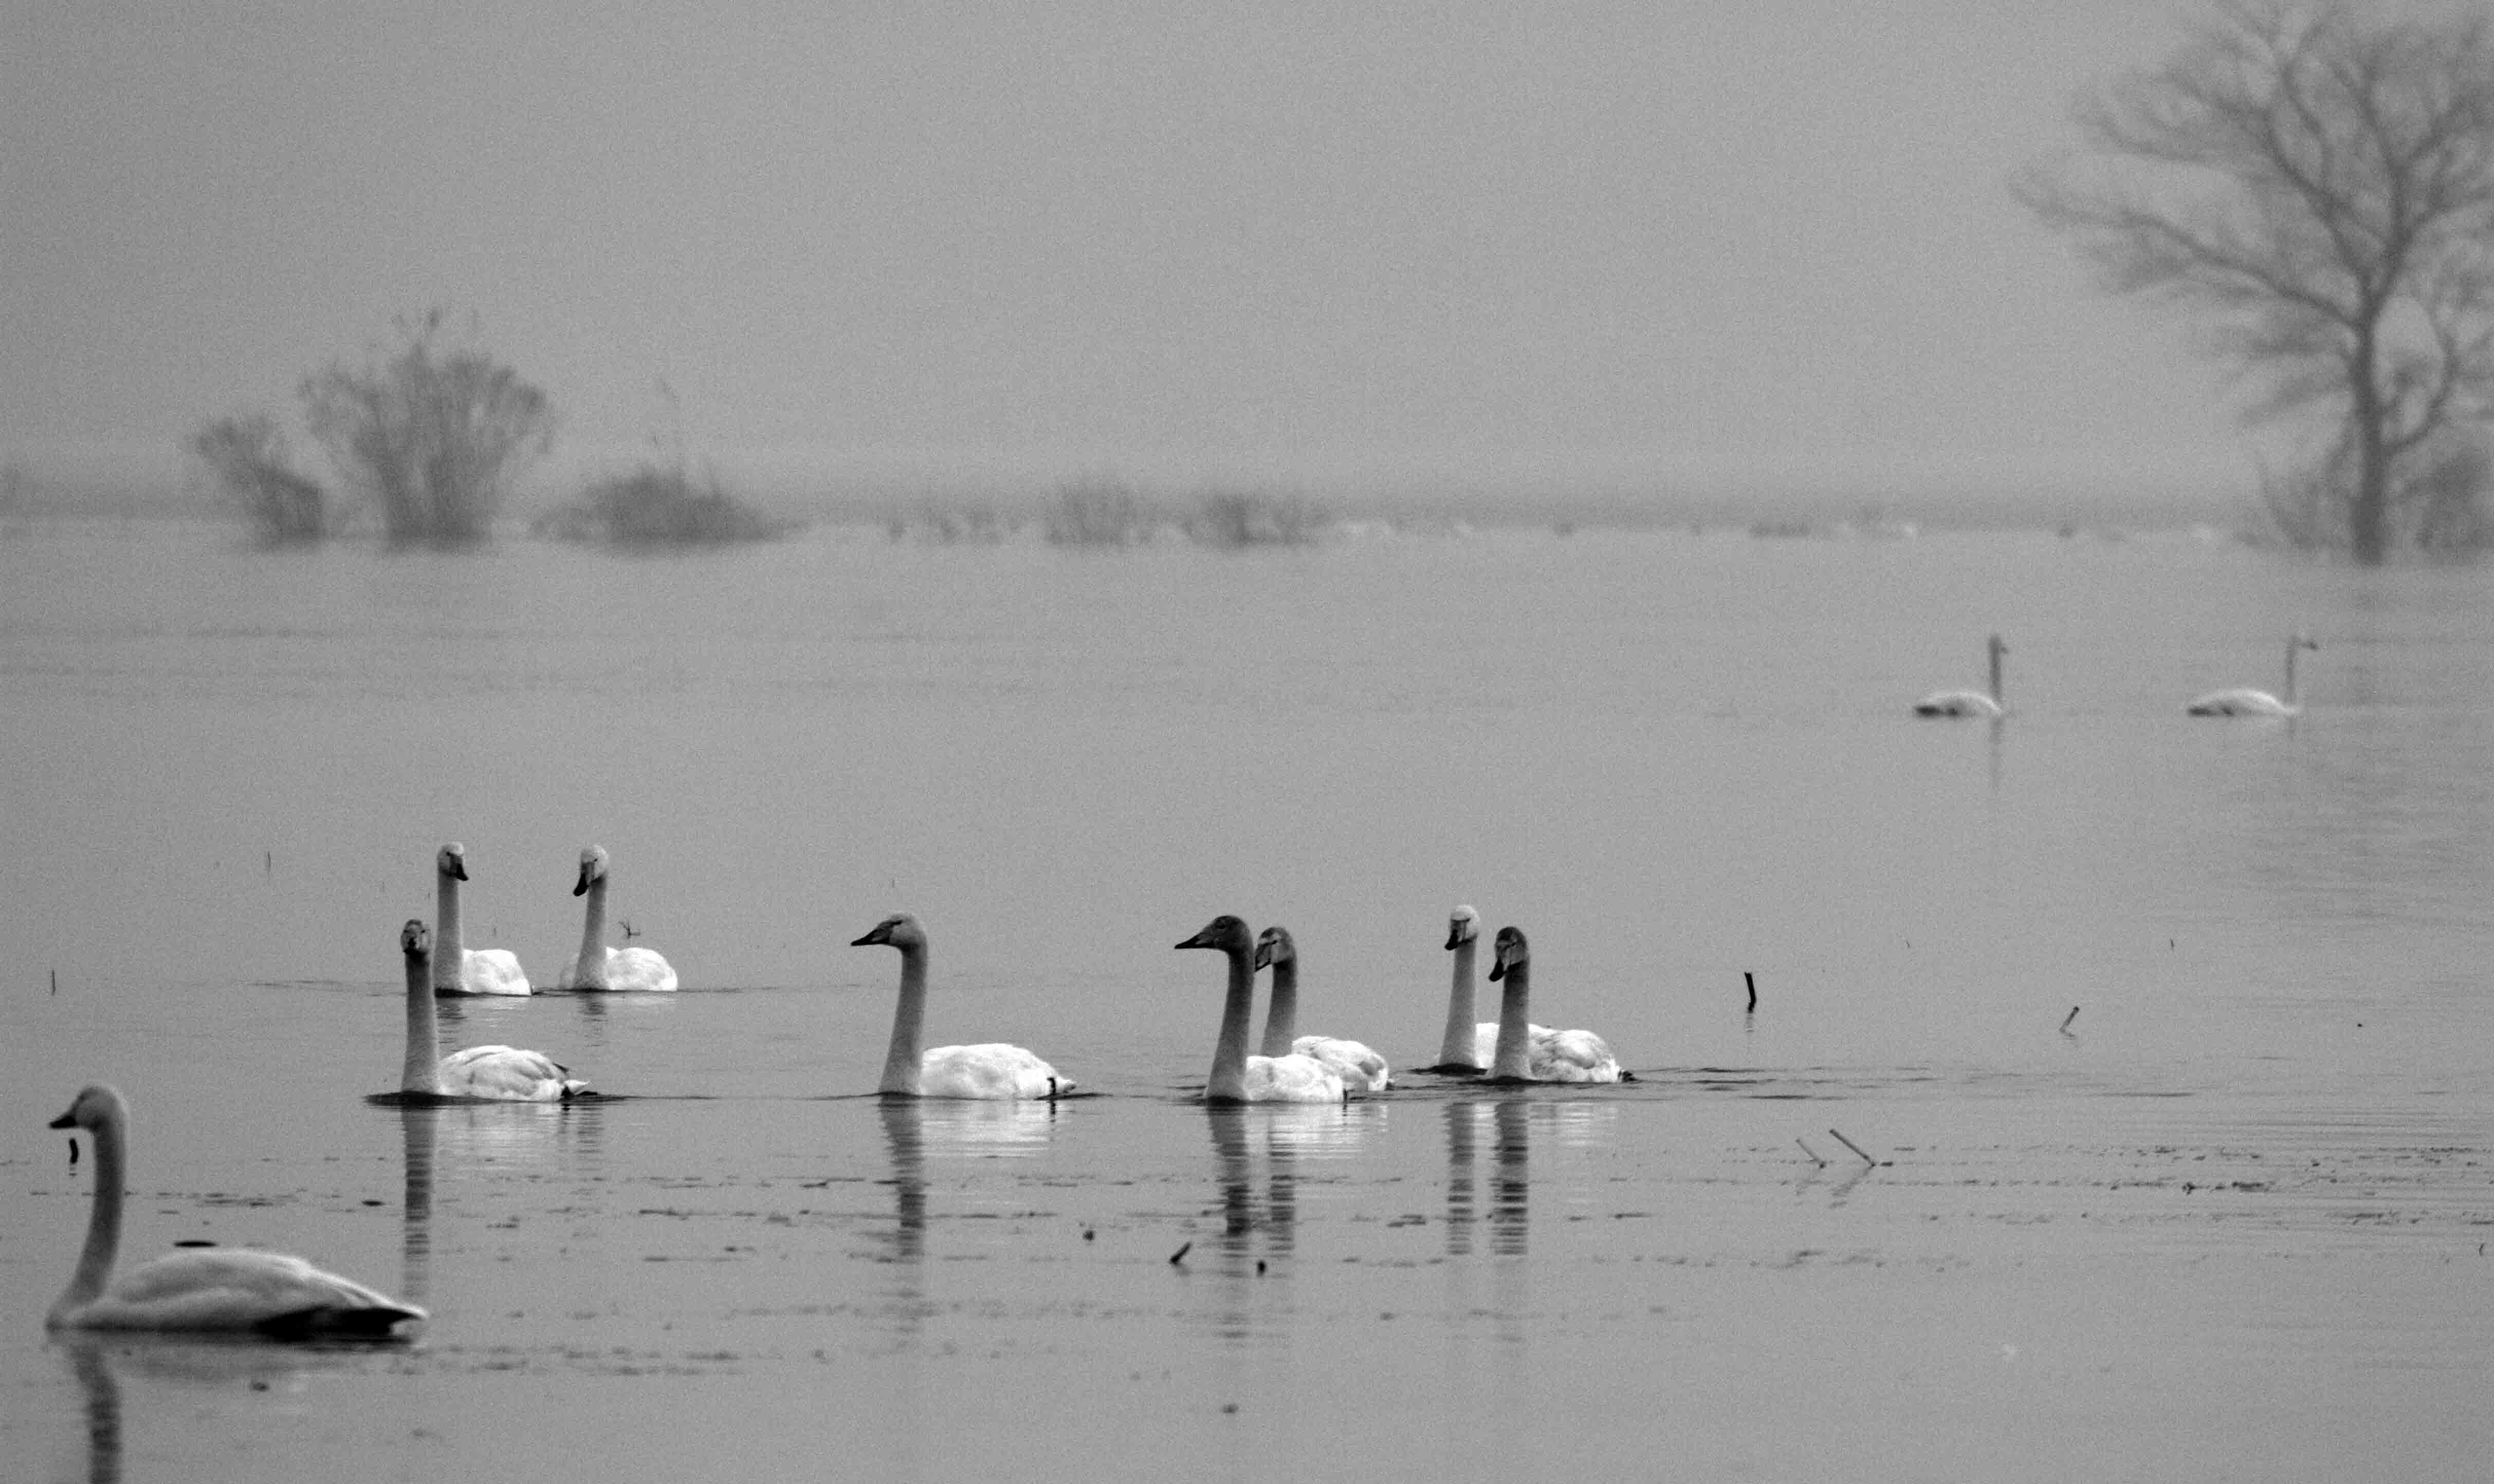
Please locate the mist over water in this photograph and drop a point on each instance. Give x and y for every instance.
(2228, 1221)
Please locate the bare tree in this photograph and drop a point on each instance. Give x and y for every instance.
(247, 457)
(2319, 184)
(434, 435)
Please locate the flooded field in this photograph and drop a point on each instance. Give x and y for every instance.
(2115, 1104)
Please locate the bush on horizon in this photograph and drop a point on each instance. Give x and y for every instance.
(1241, 518)
(1098, 512)
(248, 459)
(655, 507)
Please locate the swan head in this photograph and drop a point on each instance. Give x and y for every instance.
(1998, 647)
(452, 860)
(1509, 954)
(1463, 927)
(415, 939)
(95, 1105)
(901, 930)
(1274, 946)
(593, 867)
(1225, 932)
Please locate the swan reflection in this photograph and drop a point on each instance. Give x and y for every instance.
(211, 1367)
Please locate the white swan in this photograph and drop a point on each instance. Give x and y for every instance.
(599, 967)
(1236, 1076)
(494, 1073)
(213, 1288)
(992, 1070)
(1469, 1046)
(1969, 703)
(1530, 1053)
(1360, 1069)
(2244, 701)
(459, 969)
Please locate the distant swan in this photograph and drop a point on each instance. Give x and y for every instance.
(1969, 703)
(1469, 1046)
(2243, 701)
(992, 1069)
(1527, 1052)
(492, 1074)
(214, 1289)
(1360, 1069)
(599, 967)
(459, 969)
(1236, 1076)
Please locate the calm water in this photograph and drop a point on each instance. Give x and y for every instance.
(2231, 1222)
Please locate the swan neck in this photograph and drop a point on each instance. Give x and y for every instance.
(1228, 1080)
(1997, 697)
(103, 1224)
(422, 1071)
(908, 1024)
(591, 961)
(1455, 1047)
(1282, 1012)
(2291, 647)
(448, 946)
(1514, 1024)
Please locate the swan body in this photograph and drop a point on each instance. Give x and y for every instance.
(2244, 701)
(214, 1290)
(459, 969)
(597, 966)
(1969, 703)
(1360, 1069)
(1236, 1076)
(992, 1069)
(483, 1073)
(1532, 1053)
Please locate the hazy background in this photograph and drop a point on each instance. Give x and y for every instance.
(1661, 249)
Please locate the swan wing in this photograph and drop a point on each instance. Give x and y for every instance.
(992, 1069)
(1486, 1040)
(506, 1074)
(1292, 1078)
(641, 969)
(491, 971)
(219, 1289)
(1573, 1056)
(1360, 1069)
(2240, 701)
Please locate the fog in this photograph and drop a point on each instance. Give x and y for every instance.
(1629, 249)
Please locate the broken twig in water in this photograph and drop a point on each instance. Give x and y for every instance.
(1751, 980)
(1812, 1153)
(1180, 1256)
(1856, 1148)
(2066, 1019)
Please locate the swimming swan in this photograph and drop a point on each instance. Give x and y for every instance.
(2243, 701)
(599, 967)
(1360, 1069)
(459, 969)
(1236, 1076)
(1469, 1046)
(1969, 703)
(1549, 1056)
(992, 1069)
(216, 1289)
(489, 1074)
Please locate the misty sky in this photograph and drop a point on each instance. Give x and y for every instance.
(1762, 243)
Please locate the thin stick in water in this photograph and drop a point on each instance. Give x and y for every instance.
(1180, 1256)
(1856, 1148)
(1812, 1153)
(1751, 979)
(2066, 1019)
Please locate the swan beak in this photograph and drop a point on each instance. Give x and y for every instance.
(1454, 936)
(880, 932)
(458, 869)
(1264, 954)
(579, 888)
(1497, 968)
(1203, 939)
(67, 1120)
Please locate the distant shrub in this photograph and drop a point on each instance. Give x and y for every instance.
(1098, 512)
(1235, 517)
(655, 506)
(435, 436)
(248, 460)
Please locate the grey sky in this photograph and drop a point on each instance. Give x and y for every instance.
(1765, 243)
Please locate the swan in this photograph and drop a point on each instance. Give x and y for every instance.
(201, 1288)
(599, 967)
(494, 1073)
(1469, 1046)
(994, 1070)
(1530, 1053)
(2243, 701)
(460, 969)
(1969, 703)
(1236, 1076)
(1360, 1069)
